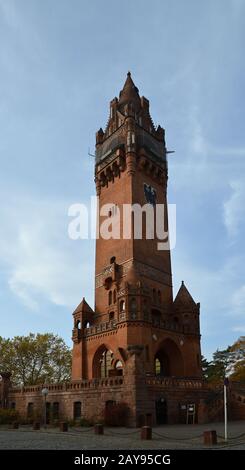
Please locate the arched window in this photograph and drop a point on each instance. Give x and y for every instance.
(110, 298)
(108, 283)
(118, 368)
(122, 306)
(168, 360)
(111, 316)
(118, 365)
(78, 324)
(133, 308)
(87, 324)
(157, 366)
(114, 296)
(106, 363)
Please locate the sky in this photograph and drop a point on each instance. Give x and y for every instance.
(61, 62)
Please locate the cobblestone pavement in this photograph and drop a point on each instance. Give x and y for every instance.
(163, 437)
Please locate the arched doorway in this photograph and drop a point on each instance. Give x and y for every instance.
(168, 361)
(161, 411)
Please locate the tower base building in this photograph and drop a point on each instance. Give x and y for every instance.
(138, 348)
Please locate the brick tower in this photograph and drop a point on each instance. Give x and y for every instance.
(134, 304)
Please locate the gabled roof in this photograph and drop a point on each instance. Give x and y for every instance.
(183, 296)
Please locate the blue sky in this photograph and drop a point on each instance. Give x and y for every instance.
(61, 62)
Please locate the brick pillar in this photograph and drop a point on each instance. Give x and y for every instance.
(4, 389)
(136, 393)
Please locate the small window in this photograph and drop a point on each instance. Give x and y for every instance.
(77, 410)
(114, 296)
(30, 410)
(78, 324)
(118, 365)
(87, 324)
(133, 309)
(108, 283)
(110, 298)
(122, 306)
(111, 316)
(113, 259)
(157, 367)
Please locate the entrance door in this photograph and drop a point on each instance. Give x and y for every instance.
(161, 411)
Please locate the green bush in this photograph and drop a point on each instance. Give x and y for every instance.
(84, 422)
(116, 414)
(8, 416)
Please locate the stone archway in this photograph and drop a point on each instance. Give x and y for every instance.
(102, 362)
(168, 360)
(106, 364)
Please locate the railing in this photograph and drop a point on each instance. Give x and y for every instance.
(165, 325)
(175, 382)
(103, 326)
(78, 385)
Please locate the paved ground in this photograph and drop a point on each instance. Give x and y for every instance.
(164, 437)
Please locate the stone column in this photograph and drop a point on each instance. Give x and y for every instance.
(136, 393)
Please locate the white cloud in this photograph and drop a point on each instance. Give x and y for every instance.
(215, 289)
(234, 208)
(41, 262)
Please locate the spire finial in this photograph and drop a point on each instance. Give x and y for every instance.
(129, 93)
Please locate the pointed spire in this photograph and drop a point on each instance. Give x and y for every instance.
(83, 307)
(129, 93)
(183, 296)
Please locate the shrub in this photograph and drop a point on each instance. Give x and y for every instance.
(116, 414)
(8, 416)
(84, 422)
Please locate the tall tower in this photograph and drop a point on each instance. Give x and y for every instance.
(133, 296)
